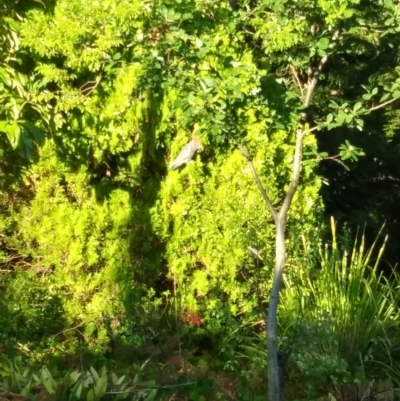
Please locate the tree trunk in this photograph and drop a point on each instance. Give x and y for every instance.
(272, 345)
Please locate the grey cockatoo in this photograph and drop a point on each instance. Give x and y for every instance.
(186, 154)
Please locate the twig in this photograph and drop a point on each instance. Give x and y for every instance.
(379, 106)
(308, 131)
(313, 82)
(257, 180)
(86, 89)
(296, 75)
(71, 328)
(255, 252)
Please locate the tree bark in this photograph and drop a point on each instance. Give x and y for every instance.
(272, 341)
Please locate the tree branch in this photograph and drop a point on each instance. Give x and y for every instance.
(296, 75)
(295, 176)
(87, 88)
(257, 180)
(298, 153)
(379, 106)
(308, 131)
(313, 82)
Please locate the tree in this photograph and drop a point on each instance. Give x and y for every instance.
(310, 37)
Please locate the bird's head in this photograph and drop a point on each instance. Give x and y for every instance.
(196, 143)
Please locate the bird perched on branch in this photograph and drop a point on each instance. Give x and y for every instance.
(186, 154)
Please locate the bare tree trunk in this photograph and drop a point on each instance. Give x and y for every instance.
(272, 341)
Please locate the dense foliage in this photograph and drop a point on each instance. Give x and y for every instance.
(110, 258)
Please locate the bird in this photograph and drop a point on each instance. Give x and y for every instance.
(186, 154)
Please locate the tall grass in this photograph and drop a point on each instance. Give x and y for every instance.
(342, 315)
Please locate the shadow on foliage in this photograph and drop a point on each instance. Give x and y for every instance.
(28, 313)
(368, 194)
(148, 270)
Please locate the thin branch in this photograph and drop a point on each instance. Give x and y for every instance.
(308, 131)
(333, 158)
(379, 106)
(257, 180)
(296, 75)
(69, 329)
(296, 174)
(87, 88)
(255, 253)
(313, 82)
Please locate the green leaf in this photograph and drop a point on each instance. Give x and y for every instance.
(341, 117)
(75, 375)
(114, 378)
(26, 144)
(78, 391)
(13, 133)
(26, 390)
(323, 43)
(5, 77)
(348, 13)
(47, 383)
(37, 133)
(100, 386)
(94, 373)
(90, 395)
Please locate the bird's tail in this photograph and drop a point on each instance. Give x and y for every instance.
(174, 165)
